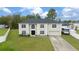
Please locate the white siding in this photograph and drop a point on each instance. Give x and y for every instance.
(48, 30)
(76, 25)
(24, 29)
(54, 31)
(41, 29)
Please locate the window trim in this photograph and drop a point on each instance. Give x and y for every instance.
(23, 25)
(41, 25)
(33, 26)
(23, 32)
(43, 32)
(54, 25)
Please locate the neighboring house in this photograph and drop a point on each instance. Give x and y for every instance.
(3, 26)
(65, 25)
(40, 27)
(71, 25)
(75, 25)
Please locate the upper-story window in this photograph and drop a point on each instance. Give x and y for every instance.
(33, 26)
(53, 25)
(42, 26)
(23, 26)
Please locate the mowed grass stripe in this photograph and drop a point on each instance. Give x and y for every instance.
(77, 31)
(3, 31)
(74, 42)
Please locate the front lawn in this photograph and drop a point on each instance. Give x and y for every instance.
(3, 31)
(22, 43)
(77, 31)
(74, 42)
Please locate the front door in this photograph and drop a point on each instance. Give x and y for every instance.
(33, 32)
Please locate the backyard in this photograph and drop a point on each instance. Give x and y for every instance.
(3, 31)
(74, 42)
(21, 43)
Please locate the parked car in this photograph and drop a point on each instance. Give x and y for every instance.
(65, 31)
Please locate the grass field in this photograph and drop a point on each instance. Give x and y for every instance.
(74, 42)
(21, 43)
(3, 31)
(77, 31)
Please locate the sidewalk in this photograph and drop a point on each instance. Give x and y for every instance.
(74, 34)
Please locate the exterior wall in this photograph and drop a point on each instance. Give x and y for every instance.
(24, 29)
(76, 25)
(48, 30)
(30, 29)
(41, 29)
(54, 31)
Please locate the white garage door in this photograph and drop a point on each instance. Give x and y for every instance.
(54, 33)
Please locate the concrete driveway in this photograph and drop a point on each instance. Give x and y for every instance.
(60, 44)
(74, 34)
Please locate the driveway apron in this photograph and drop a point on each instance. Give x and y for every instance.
(60, 44)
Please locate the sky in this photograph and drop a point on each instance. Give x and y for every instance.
(65, 13)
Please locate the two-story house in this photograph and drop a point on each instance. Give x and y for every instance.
(40, 27)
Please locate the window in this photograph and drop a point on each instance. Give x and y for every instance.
(23, 32)
(41, 26)
(53, 25)
(33, 26)
(23, 26)
(41, 32)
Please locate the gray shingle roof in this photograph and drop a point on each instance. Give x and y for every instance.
(40, 21)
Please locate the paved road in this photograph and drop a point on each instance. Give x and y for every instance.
(60, 44)
(74, 34)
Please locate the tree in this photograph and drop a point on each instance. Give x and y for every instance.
(37, 16)
(12, 21)
(6, 20)
(51, 14)
(15, 21)
(68, 21)
(1, 20)
(23, 17)
(33, 16)
(30, 17)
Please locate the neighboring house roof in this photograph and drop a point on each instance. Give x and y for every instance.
(65, 24)
(40, 21)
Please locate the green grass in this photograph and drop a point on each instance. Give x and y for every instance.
(77, 31)
(21, 43)
(74, 42)
(2, 31)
